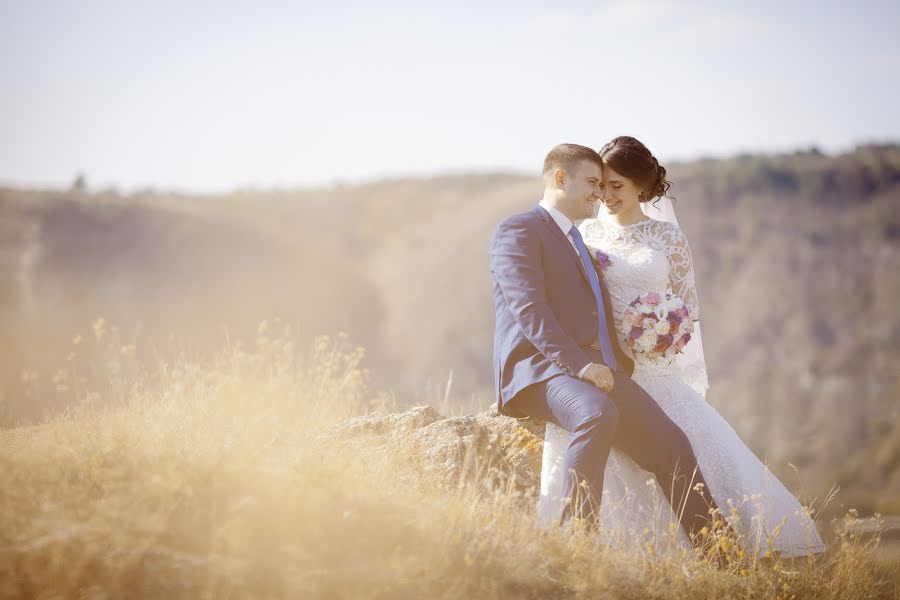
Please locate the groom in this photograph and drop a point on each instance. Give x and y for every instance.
(557, 356)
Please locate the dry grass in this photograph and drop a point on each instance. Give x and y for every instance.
(221, 480)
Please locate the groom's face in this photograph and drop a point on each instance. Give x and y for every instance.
(584, 187)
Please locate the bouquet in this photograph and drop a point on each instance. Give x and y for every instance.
(657, 327)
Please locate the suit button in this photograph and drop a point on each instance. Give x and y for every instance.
(595, 313)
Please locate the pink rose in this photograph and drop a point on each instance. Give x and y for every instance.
(663, 343)
(652, 299)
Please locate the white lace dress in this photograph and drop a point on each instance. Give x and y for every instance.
(653, 256)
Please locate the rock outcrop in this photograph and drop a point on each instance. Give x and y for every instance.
(486, 449)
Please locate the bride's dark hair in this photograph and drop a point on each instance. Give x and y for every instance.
(630, 158)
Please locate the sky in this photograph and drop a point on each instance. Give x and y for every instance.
(212, 96)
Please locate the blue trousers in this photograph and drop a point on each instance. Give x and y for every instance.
(629, 419)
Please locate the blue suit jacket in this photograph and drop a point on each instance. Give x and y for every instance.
(546, 322)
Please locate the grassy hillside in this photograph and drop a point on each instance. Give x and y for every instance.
(229, 478)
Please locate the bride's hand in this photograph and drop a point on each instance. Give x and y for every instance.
(601, 376)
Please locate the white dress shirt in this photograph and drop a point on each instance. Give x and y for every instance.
(565, 224)
(562, 220)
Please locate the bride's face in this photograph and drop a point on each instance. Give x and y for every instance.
(620, 194)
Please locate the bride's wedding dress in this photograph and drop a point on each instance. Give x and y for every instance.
(653, 256)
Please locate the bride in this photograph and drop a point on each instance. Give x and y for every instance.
(652, 255)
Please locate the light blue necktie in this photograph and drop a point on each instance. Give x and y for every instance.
(603, 335)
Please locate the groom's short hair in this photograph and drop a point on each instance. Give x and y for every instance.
(566, 156)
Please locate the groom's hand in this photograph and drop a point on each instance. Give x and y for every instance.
(600, 375)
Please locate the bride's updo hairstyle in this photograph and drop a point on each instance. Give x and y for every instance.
(630, 158)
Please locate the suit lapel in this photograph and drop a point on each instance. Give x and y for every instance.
(548, 221)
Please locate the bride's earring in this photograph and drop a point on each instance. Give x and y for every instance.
(641, 196)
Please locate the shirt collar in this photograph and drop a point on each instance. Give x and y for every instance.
(562, 220)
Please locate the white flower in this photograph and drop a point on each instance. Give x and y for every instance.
(673, 303)
(662, 327)
(661, 312)
(648, 340)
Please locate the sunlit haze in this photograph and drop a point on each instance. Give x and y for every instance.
(217, 95)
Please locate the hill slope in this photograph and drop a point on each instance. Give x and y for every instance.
(797, 259)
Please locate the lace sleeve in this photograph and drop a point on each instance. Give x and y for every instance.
(681, 270)
(691, 363)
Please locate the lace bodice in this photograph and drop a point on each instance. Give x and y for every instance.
(648, 256)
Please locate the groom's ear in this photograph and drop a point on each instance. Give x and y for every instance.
(559, 178)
